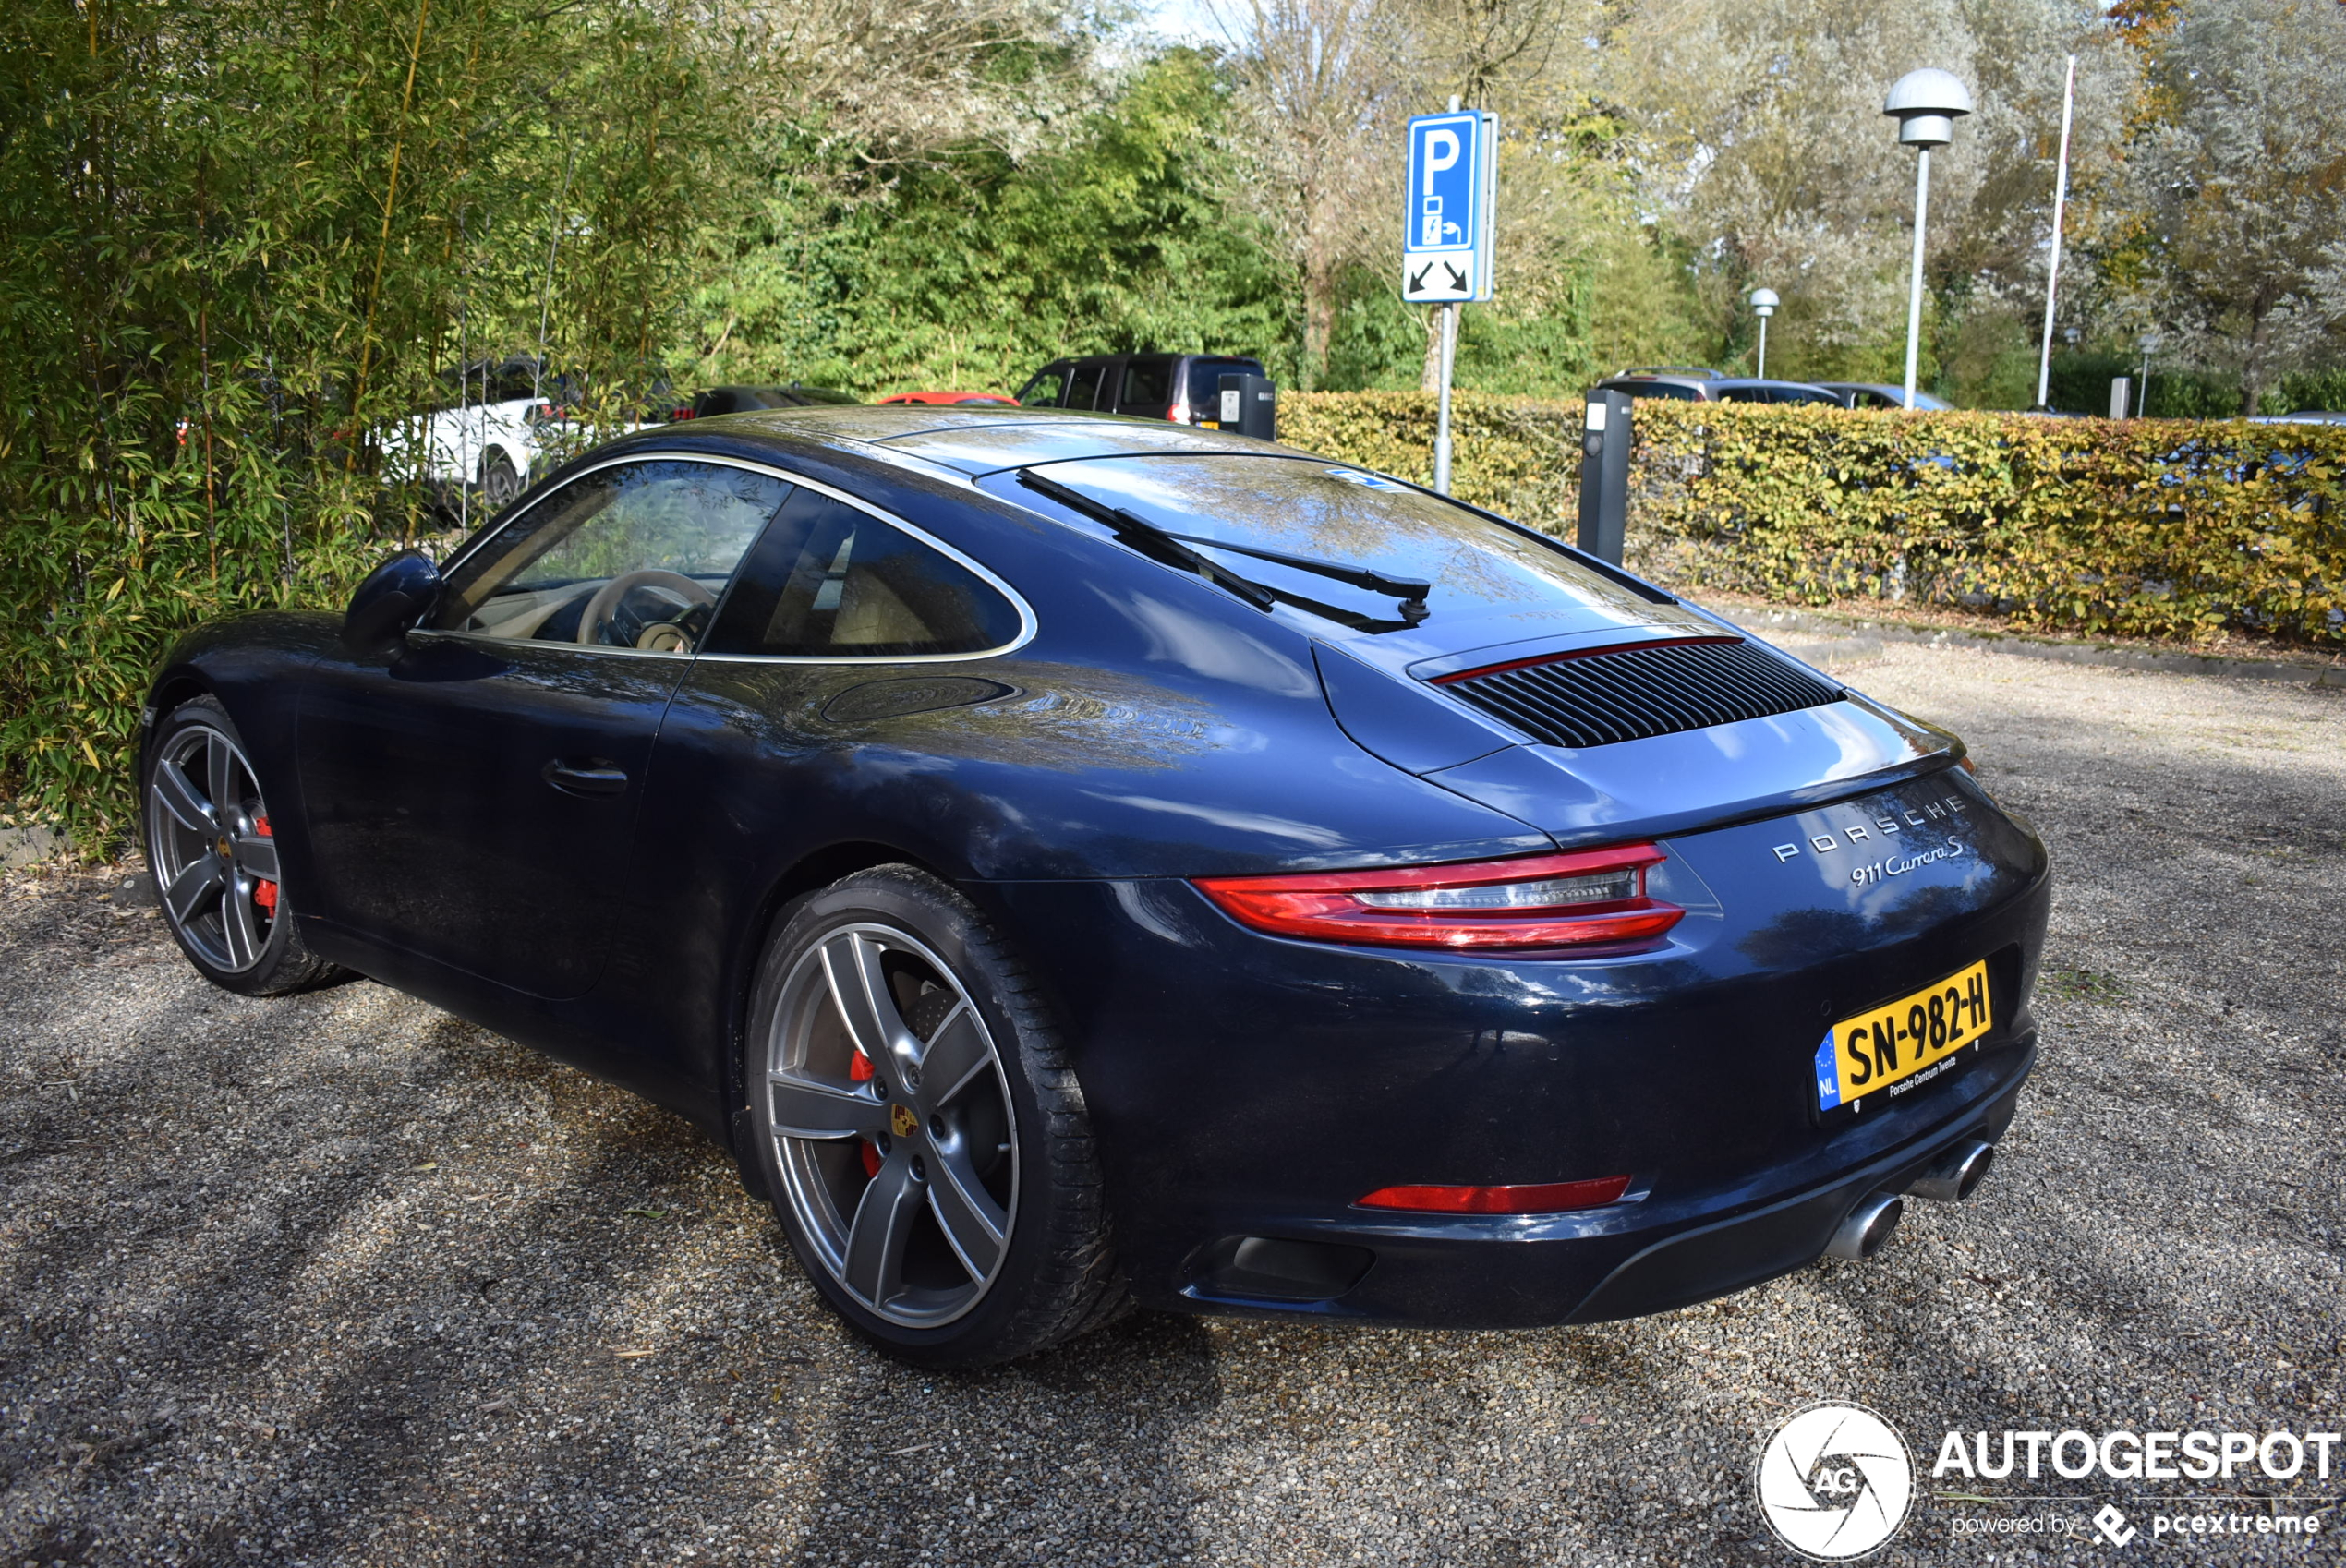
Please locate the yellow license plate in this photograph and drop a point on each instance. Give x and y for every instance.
(1893, 1044)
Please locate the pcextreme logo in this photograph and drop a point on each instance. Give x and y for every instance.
(1835, 1482)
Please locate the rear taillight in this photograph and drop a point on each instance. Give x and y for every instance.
(680, 414)
(1544, 1197)
(1179, 413)
(1582, 898)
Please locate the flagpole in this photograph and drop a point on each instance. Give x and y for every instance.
(2052, 267)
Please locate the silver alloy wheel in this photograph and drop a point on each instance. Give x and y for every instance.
(917, 1229)
(208, 843)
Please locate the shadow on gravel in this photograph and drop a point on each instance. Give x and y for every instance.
(1063, 1458)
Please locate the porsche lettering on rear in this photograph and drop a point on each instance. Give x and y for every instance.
(1922, 817)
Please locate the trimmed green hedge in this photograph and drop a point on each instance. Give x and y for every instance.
(2158, 528)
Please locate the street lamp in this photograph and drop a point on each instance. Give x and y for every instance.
(2148, 341)
(1926, 103)
(1763, 304)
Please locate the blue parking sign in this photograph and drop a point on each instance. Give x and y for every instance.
(1447, 240)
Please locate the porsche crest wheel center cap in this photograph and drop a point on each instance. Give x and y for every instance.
(901, 1122)
(226, 849)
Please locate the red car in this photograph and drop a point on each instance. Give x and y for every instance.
(1002, 398)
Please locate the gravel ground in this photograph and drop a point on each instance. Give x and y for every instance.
(340, 1280)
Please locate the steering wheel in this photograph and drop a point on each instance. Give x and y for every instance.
(608, 597)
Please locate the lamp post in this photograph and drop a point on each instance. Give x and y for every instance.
(1926, 103)
(1763, 304)
(2148, 341)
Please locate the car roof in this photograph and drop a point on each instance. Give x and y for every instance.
(974, 438)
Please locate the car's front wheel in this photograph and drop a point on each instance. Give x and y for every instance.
(914, 1122)
(212, 850)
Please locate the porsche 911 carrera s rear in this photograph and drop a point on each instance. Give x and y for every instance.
(1771, 980)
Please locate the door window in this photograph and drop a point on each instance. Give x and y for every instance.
(634, 556)
(1043, 391)
(831, 582)
(1083, 387)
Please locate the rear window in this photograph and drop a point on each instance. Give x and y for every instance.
(1205, 377)
(1478, 566)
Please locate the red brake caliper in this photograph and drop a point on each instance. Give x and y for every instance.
(264, 893)
(859, 1070)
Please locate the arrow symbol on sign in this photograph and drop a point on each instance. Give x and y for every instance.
(1457, 279)
(1419, 282)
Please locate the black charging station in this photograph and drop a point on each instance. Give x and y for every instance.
(1249, 404)
(1604, 475)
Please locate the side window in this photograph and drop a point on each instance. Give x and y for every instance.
(629, 557)
(1043, 391)
(831, 582)
(1083, 387)
(1744, 394)
(1670, 389)
(1148, 383)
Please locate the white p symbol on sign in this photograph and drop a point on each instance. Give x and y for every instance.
(1441, 152)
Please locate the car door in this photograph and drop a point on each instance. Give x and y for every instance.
(796, 730)
(471, 796)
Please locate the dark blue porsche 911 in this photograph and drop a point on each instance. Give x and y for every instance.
(1071, 860)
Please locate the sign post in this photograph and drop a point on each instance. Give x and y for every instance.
(1446, 235)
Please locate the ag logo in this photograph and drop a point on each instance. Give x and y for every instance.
(1835, 1482)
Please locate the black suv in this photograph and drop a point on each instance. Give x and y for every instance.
(1184, 388)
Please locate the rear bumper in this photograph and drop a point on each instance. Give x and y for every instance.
(1593, 1268)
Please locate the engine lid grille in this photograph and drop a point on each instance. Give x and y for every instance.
(1606, 696)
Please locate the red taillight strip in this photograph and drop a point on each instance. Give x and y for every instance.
(1546, 1197)
(1537, 660)
(1318, 906)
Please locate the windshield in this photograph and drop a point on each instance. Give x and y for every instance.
(1480, 570)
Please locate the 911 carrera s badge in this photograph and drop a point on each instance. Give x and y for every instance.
(901, 1122)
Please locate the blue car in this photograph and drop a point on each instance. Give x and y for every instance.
(1071, 861)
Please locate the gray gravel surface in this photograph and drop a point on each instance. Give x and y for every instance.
(337, 1279)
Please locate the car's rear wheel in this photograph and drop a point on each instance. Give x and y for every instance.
(917, 1129)
(213, 852)
(499, 481)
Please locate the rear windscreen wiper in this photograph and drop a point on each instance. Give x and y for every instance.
(1411, 591)
(1174, 550)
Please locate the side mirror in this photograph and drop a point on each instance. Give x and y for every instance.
(394, 596)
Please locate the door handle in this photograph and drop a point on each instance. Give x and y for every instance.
(593, 777)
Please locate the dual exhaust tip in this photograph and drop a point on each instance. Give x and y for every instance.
(1950, 1179)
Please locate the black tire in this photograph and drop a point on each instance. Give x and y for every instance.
(207, 857)
(1052, 1275)
(499, 482)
